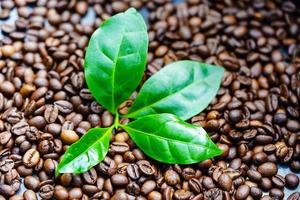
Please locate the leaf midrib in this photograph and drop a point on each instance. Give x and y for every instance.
(163, 138)
(184, 88)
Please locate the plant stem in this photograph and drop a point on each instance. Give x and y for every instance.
(116, 122)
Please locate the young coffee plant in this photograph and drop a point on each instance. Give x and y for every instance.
(114, 65)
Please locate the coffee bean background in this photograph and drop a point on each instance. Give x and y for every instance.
(45, 105)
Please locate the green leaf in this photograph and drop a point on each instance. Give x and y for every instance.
(85, 153)
(183, 88)
(116, 57)
(164, 137)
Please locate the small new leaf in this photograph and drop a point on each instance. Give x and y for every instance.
(116, 57)
(183, 88)
(85, 153)
(164, 137)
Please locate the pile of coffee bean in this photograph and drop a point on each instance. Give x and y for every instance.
(45, 105)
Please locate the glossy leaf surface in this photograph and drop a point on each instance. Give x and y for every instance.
(183, 88)
(116, 57)
(164, 137)
(85, 153)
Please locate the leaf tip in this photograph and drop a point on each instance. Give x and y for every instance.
(57, 172)
(131, 10)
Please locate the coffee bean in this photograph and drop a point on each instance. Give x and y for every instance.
(8, 50)
(278, 181)
(171, 177)
(64, 106)
(254, 175)
(266, 184)
(255, 192)
(182, 195)
(90, 176)
(148, 186)
(146, 167)
(119, 147)
(31, 158)
(51, 114)
(69, 136)
(107, 167)
(60, 193)
(37, 121)
(107, 119)
(292, 180)
(20, 128)
(213, 194)
(294, 196)
(242, 192)
(5, 137)
(267, 169)
(225, 182)
(29, 195)
(154, 195)
(6, 190)
(276, 193)
(208, 182)
(133, 171)
(195, 185)
(119, 180)
(6, 165)
(32, 183)
(168, 193)
(133, 188)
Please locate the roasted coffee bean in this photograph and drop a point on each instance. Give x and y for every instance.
(213, 194)
(208, 182)
(5, 137)
(90, 176)
(276, 193)
(146, 167)
(182, 195)
(294, 196)
(242, 192)
(267, 169)
(6, 190)
(171, 177)
(255, 192)
(107, 119)
(69, 136)
(154, 195)
(32, 183)
(254, 175)
(133, 171)
(31, 158)
(29, 195)
(49, 166)
(51, 114)
(61, 193)
(225, 182)
(64, 106)
(133, 188)
(188, 173)
(119, 147)
(46, 192)
(278, 181)
(292, 180)
(20, 128)
(148, 186)
(107, 167)
(266, 184)
(195, 185)
(6, 165)
(119, 180)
